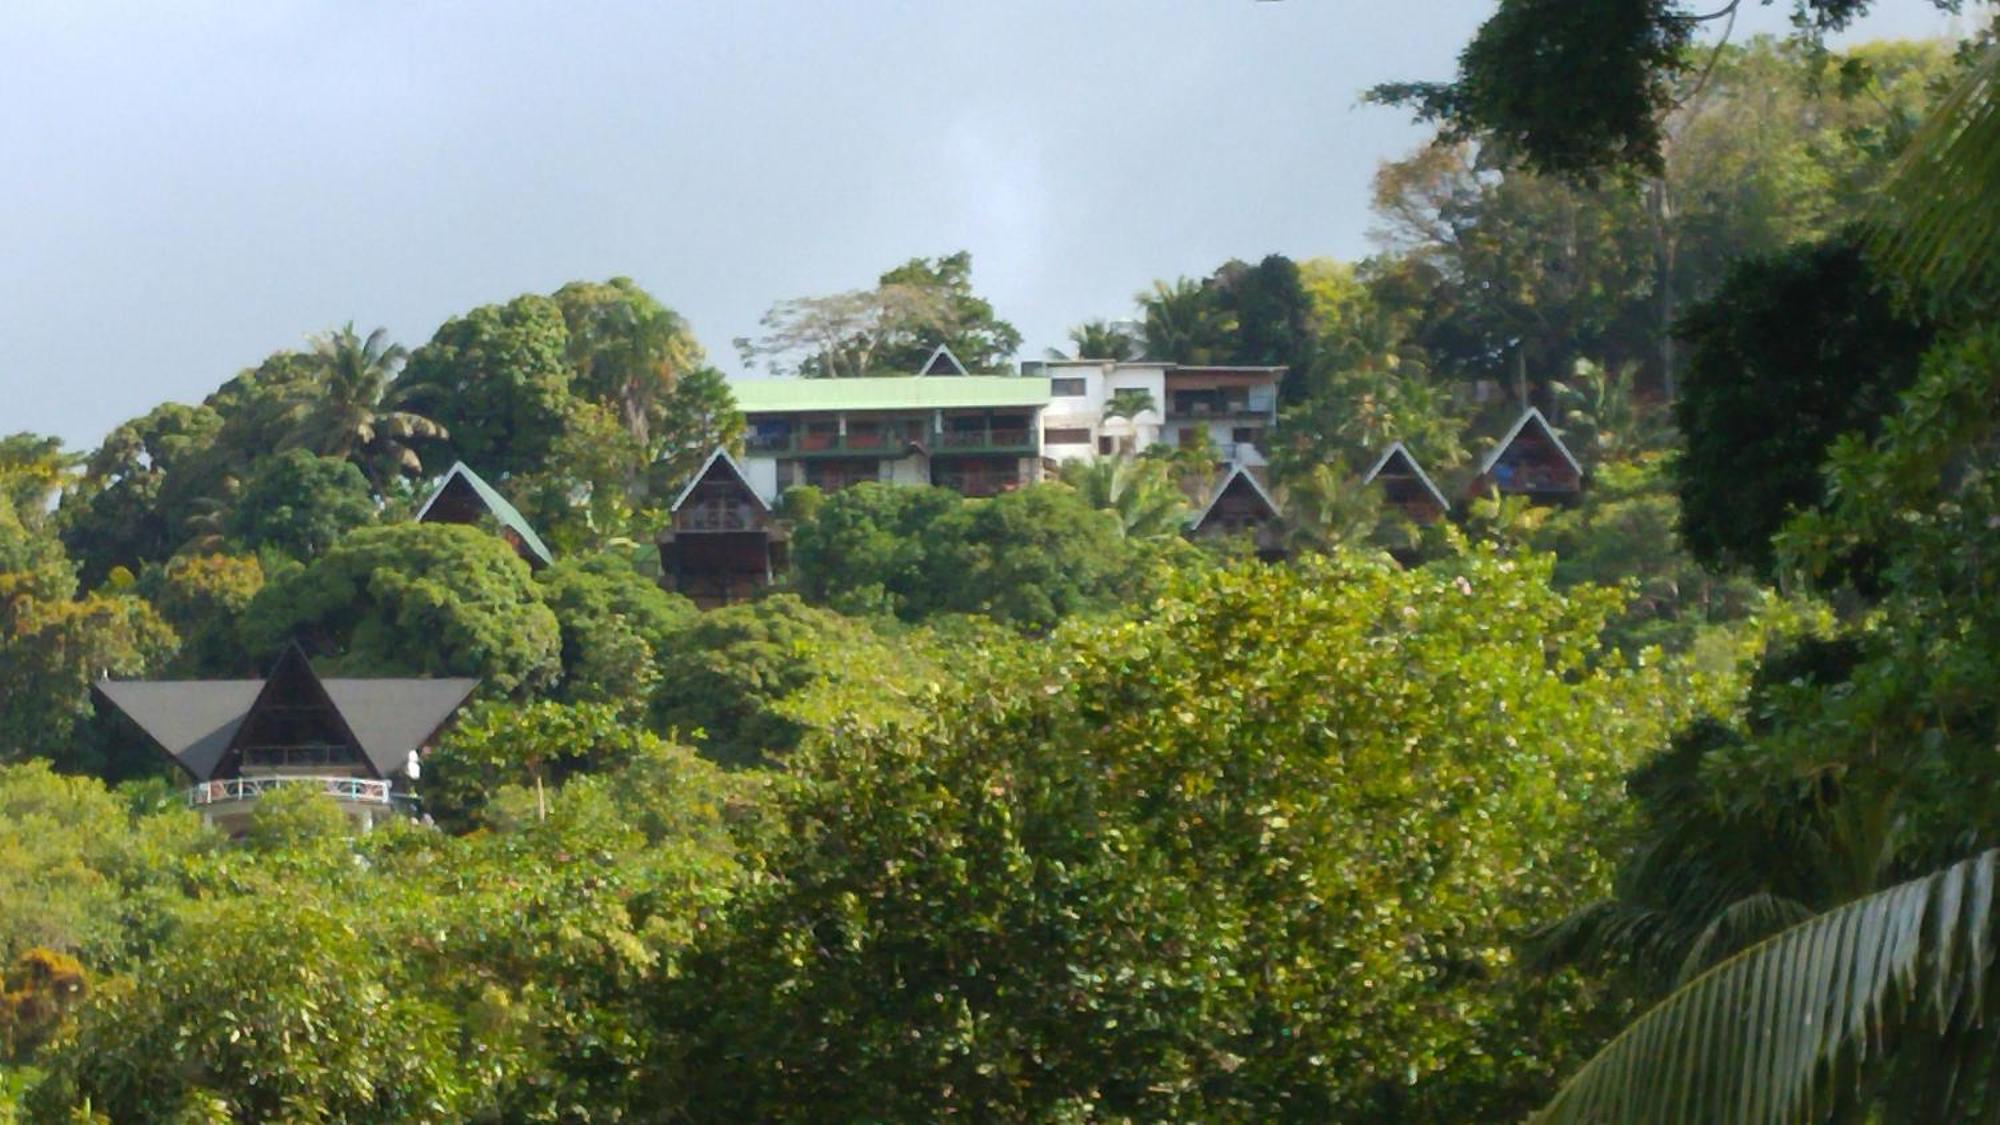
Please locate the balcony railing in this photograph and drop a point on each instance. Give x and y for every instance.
(736, 517)
(361, 790)
(880, 443)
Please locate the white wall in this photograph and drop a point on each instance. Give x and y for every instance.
(763, 475)
(1086, 411)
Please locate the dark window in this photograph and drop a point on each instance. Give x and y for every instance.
(1105, 447)
(1244, 433)
(1066, 437)
(1066, 388)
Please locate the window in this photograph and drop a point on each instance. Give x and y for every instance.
(1244, 434)
(1066, 437)
(1066, 388)
(1105, 448)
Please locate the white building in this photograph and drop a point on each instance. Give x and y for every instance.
(1232, 408)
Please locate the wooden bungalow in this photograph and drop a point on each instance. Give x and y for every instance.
(723, 544)
(1531, 461)
(1406, 487)
(351, 739)
(1240, 505)
(463, 497)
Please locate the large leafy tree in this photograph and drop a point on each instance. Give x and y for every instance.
(1259, 855)
(415, 600)
(1790, 353)
(1582, 90)
(299, 503)
(628, 351)
(887, 330)
(498, 378)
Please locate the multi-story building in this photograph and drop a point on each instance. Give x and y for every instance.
(1102, 408)
(979, 434)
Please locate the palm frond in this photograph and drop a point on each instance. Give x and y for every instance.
(1938, 221)
(1791, 1028)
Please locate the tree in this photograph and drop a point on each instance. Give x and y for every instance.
(352, 414)
(498, 379)
(616, 625)
(738, 682)
(535, 745)
(628, 351)
(124, 513)
(415, 600)
(1254, 856)
(981, 340)
(1098, 339)
(1240, 314)
(698, 417)
(890, 329)
(300, 504)
(1880, 1010)
(1790, 353)
(1141, 493)
(204, 598)
(1582, 91)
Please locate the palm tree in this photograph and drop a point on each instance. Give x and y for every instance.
(1327, 507)
(348, 412)
(1882, 1009)
(1939, 218)
(1100, 339)
(1128, 404)
(1139, 491)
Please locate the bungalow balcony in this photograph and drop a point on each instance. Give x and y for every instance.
(227, 802)
(886, 442)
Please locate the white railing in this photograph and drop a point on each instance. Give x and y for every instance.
(359, 789)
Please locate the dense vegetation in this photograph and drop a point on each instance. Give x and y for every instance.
(1027, 808)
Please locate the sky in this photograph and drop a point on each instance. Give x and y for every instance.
(187, 187)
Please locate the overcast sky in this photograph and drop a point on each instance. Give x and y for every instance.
(187, 187)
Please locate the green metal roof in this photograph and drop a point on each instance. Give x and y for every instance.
(890, 392)
(508, 515)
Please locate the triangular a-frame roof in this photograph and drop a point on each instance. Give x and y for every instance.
(199, 722)
(942, 362)
(1399, 449)
(461, 476)
(293, 686)
(194, 721)
(1532, 414)
(1236, 474)
(720, 459)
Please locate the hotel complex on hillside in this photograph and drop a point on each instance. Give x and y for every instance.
(983, 434)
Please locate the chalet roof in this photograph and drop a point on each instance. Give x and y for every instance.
(720, 458)
(1409, 459)
(942, 362)
(1228, 482)
(1533, 414)
(195, 721)
(889, 392)
(509, 516)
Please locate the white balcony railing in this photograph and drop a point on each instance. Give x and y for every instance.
(361, 790)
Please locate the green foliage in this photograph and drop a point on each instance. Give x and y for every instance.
(1788, 355)
(1880, 1010)
(254, 1015)
(356, 411)
(204, 598)
(746, 679)
(531, 745)
(1142, 493)
(1240, 314)
(1581, 90)
(415, 600)
(1258, 856)
(129, 508)
(80, 872)
(980, 339)
(889, 329)
(293, 817)
(1027, 558)
(615, 625)
(498, 379)
(629, 353)
(300, 504)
